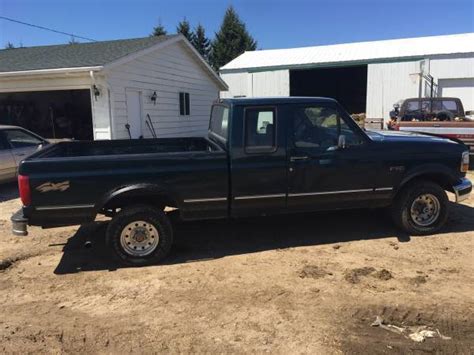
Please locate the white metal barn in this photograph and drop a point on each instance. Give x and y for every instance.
(366, 77)
(97, 90)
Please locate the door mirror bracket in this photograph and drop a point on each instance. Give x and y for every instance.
(341, 142)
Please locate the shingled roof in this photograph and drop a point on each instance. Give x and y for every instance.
(73, 55)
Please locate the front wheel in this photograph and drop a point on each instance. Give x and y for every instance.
(421, 208)
(140, 235)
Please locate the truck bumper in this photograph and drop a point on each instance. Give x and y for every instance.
(463, 189)
(19, 224)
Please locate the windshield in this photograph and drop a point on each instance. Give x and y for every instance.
(219, 121)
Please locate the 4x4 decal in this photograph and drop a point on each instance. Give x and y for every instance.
(51, 186)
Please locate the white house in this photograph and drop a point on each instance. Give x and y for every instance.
(96, 90)
(366, 77)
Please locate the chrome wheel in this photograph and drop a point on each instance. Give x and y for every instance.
(425, 210)
(139, 238)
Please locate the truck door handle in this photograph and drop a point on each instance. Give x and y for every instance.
(437, 125)
(304, 157)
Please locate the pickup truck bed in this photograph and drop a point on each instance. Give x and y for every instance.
(76, 180)
(127, 147)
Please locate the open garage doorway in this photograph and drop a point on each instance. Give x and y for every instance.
(348, 85)
(51, 114)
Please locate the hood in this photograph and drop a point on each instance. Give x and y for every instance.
(412, 137)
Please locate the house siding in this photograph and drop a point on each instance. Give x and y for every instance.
(166, 71)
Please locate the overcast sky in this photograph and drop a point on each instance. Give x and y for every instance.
(275, 24)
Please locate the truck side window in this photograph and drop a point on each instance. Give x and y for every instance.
(259, 129)
(320, 127)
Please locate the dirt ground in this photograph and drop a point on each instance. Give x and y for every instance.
(309, 283)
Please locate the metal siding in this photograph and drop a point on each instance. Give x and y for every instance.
(271, 83)
(237, 83)
(259, 84)
(386, 84)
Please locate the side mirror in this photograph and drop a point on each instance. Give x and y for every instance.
(396, 106)
(341, 142)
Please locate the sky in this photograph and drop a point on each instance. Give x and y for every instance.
(274, 24)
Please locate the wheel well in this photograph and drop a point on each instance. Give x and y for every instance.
(156, 200)
(440, 179)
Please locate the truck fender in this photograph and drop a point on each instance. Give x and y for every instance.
(136, 191)
(435, 172)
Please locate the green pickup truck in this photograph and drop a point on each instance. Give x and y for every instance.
(262, 156)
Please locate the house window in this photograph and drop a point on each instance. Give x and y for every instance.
(184, 103)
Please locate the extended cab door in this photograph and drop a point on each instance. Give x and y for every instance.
(325, 172)
(258, 161)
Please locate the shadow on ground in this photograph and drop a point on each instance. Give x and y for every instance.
(206, 240)
(8, 191)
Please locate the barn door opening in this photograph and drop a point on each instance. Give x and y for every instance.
(348, 85)
(134, 112)
(51, 114)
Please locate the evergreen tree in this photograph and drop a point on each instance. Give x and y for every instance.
(9, 45)
(185, 29)
(201, 42)
(159, 30)
(231, 41)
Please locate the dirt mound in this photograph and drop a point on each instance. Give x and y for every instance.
(383, 274)
(353, 276)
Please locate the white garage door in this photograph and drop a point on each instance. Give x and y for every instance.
(462, 88)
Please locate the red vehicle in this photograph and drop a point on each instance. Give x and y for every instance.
(444, 116)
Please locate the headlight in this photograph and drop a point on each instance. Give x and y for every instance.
(465, 161)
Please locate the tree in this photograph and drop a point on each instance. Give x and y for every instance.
(185, 29)
(231, 40)
(201, 42)
(9, 45)
(159, 30)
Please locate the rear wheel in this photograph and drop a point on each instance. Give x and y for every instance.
(421, 208)
(140, 235)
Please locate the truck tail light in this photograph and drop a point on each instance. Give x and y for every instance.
(24, 187)
(465, 162)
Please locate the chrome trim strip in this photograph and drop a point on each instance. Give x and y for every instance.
(384, 189)
(251, 197)
(329, 192)
(197, 200)
(70, 207)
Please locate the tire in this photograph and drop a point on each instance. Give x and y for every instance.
(414, 208)
(140, 235)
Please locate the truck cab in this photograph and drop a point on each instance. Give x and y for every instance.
(293, 155)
